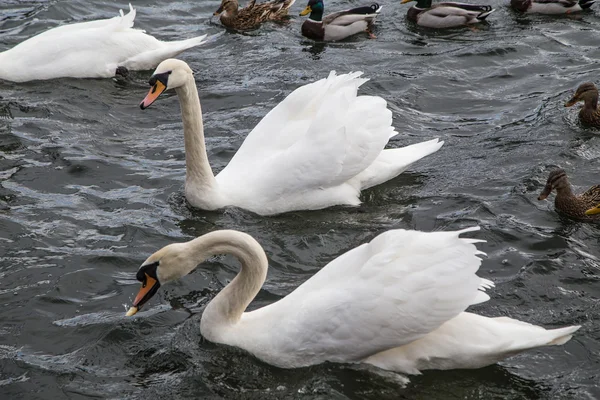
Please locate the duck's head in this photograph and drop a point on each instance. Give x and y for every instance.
(556, 180)
(586, 92)
(169, 263)
(227, 7)
(170, 74)
(316, 6)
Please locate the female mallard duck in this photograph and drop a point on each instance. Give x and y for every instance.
(446, 15)
(551, 6)
(253, 14)
(566, 202)
(339, 25)
(397, 302)
(589, 114)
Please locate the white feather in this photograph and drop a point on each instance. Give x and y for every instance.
(319, 147)
(397, 302)
(88, 50)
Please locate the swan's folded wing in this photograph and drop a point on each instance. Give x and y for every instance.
(389, 292)
(320, 136)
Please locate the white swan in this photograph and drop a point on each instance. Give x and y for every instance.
(319, 147)
(397, 302)
(93, 49)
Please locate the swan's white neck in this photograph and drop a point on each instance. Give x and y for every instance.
(201, 188)
(226, 309)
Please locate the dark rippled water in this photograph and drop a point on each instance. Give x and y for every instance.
(90, 185)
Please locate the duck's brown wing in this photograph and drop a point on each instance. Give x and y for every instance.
(592, 195)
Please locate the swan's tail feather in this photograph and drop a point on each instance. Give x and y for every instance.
(150, 59)
(563, 335)
(392, 162)
(126, 20)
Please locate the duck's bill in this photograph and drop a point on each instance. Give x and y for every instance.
(593, 211)
(219, 11)
(148, 289)
(571, 102)
(153, 94)
(306, 11)
(545, 193)
(131, 311)
(406, 1)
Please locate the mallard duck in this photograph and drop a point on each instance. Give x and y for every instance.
(446, 15)
(251, 16)
(339, 25)
(589, 113)
(551, 6)
(319, 147)
(574, 206)
(94, 49)
(397, 302)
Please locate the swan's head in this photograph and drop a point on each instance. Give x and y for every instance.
(169, 263)
(170, 74)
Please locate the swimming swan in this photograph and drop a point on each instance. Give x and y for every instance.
(397, 302)
(93, 49)
(319, 147)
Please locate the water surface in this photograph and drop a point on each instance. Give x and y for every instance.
(90, 185)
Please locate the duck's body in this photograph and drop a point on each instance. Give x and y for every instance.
(397, 302)
(589, 114)
(339, 25)
(253, 15)
(566, 202)
(447, 14)
(92, 49)
(552, 7)
(319, 147)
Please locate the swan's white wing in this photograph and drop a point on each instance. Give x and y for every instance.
(387, 293)
(91, 49)
(320, 136)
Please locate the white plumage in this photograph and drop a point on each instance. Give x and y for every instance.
(91, 49)
(397, 302)
(319, 147)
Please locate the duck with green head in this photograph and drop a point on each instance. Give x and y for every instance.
(339, 25)
(446, 15)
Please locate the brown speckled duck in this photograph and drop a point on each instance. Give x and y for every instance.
(589, 114)
(251, 16)
(574, 206)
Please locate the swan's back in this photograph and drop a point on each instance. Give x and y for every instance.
(303, 153)
(92, 49)
(384, 294)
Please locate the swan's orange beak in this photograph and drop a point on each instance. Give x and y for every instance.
(153, 94)
(149, 288)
